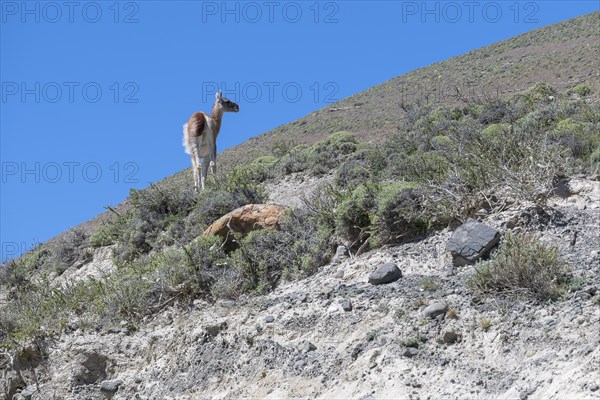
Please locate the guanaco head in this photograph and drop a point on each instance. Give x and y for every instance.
(226, 104)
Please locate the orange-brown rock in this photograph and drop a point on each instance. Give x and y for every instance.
(246, 219)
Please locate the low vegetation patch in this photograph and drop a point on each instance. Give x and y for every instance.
(442, 165)
(522, 265)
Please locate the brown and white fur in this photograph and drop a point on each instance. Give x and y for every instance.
(200, 138)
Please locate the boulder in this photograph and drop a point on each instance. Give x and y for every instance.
(244, 220)
(435, 309)
(471, 241)
(385, 273)
(109, 388)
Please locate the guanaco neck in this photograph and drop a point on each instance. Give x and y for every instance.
(217, 117)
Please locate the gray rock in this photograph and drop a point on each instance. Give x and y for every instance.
(385, 273)
(450, 337)
(269, 319)
(594, 387)
(410, 352)
(435, 309)
(523, 396)
(471, 241)
(340, 254)
(346, 305)
(327, 292)
(109, 388)
(582, 295)
(28, 392)
(227, 303)
(305, 346)
(214, 329)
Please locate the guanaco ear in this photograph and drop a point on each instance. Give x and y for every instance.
(219, 95)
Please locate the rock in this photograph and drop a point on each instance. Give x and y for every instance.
(244, 220)
(346, 305)
(327, 292)
(594, 387)
(227, 303)
(523, 395)
(340, 254)
(305, 346)
(109, 388)
(582, 295)
(28, 392)
(302, 298)
(339, 274)
(471, 241)
(214, 329)
(385, 273)
(450, 337)
(269, 319)
(410, 352)
(435, 309)
(357, 350)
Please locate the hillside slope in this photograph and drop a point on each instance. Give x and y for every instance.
(563, 55)
(146, 307)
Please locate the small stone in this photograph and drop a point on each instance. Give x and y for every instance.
(109, 388)
(410, 352)
(450, 337)
(214, 329)
(339, 274)
(340, 254)
(269, 319)
(385, 273)
(115, 330)
(442, 361)
(227, 303)
(326, 292)
(435, 309)
(305, 346)
(523, 396)
(346, 305)
(594, 387)
(302, 297)
(582, 295)
(28, 392)
(299, 364)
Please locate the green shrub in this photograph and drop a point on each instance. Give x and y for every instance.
(579, 138)
(398, 213)
(17, 272)
(441, 142)
(496, 132)
(354, 215)
(258, 171)
(521, 265)
(351, 173)
(296, 160)
(582, 90)
(366, 163)
(542, 92)
(70, 248)
(329, 153)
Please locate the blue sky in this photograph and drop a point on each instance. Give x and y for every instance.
(94, 93)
